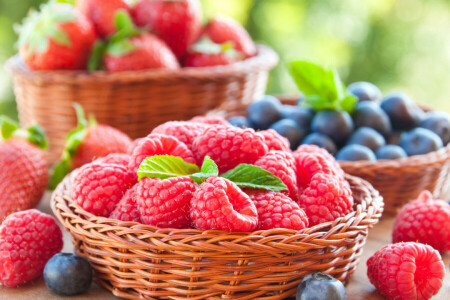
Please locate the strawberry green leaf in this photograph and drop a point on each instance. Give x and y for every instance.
(96, 58)
(208, 169)
(34, 134)
(165, 166)
(7, 127)
(121, 48)
(60, 37)
(250, 176)
(59, 172)
(37, 137)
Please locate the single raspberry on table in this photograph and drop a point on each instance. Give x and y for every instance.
(165, 203)
(229, 146)
(28, 239)
(275, 141)
(406, 271)
(326, 198)
(220, 204)
(282, 165)
(424, 220)
(210, 120)
(99, 187)
(185, 132)
(276, 210)
(126, 210)
(159, 144)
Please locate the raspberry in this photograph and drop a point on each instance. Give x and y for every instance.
(133, 145)
(425, 221)
(99, 187)
(126, 209)
(165, 203)
(310, 160)
(220, 204)
(28, 239)
(276, 210)
(326, 198)
(210, 120)
(229, 146)
(185, 132)
(282, 165)
(406, 271)
(159, 144)
(275, 141)
(115, 158)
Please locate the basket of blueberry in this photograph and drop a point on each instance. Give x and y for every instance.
(396, 145)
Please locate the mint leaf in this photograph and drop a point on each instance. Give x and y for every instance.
(245, 175)
(348, 103)
(165, 166)
(209, 169)
(310, 78)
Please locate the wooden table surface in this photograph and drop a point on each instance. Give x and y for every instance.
(359, 287)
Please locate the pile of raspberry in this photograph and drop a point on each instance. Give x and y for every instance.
(316, 190)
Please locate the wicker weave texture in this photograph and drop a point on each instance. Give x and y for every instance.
(138, 261)
(398, 181)
(134, 102)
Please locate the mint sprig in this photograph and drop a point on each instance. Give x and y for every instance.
(322, 87)
(244, 175)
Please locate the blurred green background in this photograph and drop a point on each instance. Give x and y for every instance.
(396, 44)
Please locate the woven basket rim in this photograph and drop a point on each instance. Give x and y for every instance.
(265, 59)
(366, 213)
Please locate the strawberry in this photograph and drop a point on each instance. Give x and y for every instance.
(23, 168)
(86, 143)
(225, 29)
(180, 30)
(102, 13)
(205, 53)
(58, 37)
(131, 49)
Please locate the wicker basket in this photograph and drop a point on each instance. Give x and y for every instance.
(398, 181)
(134, 102)
(137, 261)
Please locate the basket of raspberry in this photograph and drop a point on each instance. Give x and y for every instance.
(399, 147)
(204, 210)
(131, 66)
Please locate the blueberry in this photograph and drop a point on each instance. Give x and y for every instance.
(319, 286)
(68, 274)
(365, 91)
(322, 141)
(264, 112)
(439, 123)
(368, 137)
(390, 152)
(240, 121)
(420, 141)
(338, 125)
(394, 138)
(302, 115)
(355, 153)
(290, 130)
(402, 111)
(370, 114)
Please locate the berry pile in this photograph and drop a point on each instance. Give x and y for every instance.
(115, 36)
(353, 124)
(207, 174)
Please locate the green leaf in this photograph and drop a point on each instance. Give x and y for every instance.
(209, 169)
(59, 172)
(250, 176)
(60, 37)
(122, 20)
(74, 140)
(7, 127)
(121, 48)
(96, 58)
(310, 78)
(348, 103)
(165, 166)
(37, 137)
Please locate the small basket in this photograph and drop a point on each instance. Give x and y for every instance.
(137, 261)
(398, 181)
(133, 102)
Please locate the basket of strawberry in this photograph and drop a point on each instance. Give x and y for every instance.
(131, 66)
(396, 145)
(202, 209)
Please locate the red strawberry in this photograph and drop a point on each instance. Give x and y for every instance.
(58, 37)
(102, 13)
(208, 54)
(23, 168)
(225, 29)
(86, 143)
(178, 23)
